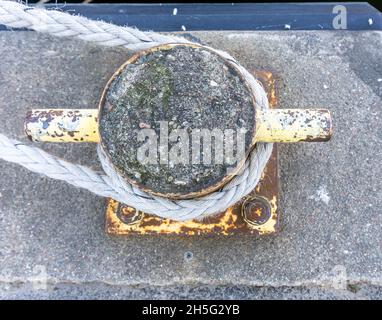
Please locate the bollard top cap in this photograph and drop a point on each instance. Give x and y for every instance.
(177, 120)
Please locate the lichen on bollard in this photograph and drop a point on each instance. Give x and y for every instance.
(166, 106)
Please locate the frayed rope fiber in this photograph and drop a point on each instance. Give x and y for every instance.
(110, 184)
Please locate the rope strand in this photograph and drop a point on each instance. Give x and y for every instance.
(110, 184)
(60, 24)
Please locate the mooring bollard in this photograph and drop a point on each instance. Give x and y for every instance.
(161, 104)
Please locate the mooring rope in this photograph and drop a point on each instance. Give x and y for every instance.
(60, 24)
(111, 184)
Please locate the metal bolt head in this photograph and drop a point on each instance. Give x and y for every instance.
(256, 210)
(129, 215)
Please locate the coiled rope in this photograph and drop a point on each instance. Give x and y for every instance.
(110, 184)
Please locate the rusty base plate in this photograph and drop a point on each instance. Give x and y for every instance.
(256, 214)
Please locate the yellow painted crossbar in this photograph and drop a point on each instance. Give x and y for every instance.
(273, 125)
(293, 125)
(62, 125)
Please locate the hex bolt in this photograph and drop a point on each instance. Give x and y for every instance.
(256, 211)
(129, 215)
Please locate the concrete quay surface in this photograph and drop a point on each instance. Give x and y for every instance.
(330, 243)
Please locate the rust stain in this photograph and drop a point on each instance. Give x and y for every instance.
(264, 219)
(268, 81)
(226, 223)
(230, 222)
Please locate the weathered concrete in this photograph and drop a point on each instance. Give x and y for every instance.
(98, 290)
(331, 199)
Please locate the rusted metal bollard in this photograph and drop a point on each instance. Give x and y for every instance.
(177, 87)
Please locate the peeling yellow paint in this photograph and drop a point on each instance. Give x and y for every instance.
(62, 125)
(154, 225)
(293, 125)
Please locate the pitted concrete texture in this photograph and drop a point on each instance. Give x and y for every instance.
(330, 242)
(228, 292)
